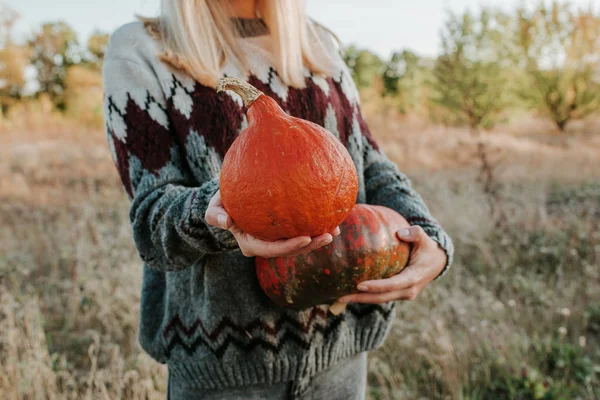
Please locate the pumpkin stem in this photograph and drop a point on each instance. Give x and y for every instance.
(246, 91)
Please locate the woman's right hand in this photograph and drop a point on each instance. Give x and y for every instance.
(254, 247)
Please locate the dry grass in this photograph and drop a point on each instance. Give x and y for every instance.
(70, 276)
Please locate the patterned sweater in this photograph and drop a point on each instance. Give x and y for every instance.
(202, 310)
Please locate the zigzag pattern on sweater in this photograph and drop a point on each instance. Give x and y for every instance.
(241, 336)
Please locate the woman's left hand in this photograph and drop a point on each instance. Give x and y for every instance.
(426, 262)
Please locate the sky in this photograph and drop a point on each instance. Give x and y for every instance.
(382, 26)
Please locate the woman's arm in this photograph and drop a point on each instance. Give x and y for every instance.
(168, 205)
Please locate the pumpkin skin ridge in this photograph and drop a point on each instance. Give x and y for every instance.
(317, 279)
(280, 222)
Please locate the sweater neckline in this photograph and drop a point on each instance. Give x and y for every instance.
(250, 27)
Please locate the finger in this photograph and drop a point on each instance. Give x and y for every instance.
(316, 243)
(406, 279)
(279, 248)
(414, 234)
(320, 241)
(336, 232)
(379, 298)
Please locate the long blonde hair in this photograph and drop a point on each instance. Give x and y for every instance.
(199, 37)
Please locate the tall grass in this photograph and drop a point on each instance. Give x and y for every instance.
(518, 317)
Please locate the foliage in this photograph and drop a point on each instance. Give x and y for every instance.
(363, 64)
(8, 17)
(96, 46)
(66, 73)
(543, 58)
(563, 371)
(592, 314)
(13, 60)
(469, 75)
(402, 65)
(559, 51)
(404, 77)
(54, 48)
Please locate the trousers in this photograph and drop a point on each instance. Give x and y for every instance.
(346, 380)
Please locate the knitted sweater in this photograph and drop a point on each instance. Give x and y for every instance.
(202, 310)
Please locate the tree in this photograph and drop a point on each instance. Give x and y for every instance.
(8, 17)
(470, 81)
(96, 47)
(404, 78)
(53, 50)
(13, 62)
(469, 75)
(559, 50)
(401, 65)
(365, 65)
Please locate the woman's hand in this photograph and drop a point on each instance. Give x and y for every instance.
(253, 247)
(426, 262)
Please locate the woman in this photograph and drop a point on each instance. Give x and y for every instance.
(202, 311)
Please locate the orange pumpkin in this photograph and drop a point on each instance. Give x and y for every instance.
(283, 176)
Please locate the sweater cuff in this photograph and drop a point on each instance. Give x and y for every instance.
(445, 243)
(224, 238)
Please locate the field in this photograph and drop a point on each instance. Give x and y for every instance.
(518, 316)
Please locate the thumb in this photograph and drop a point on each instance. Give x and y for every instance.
(224, 220)
(413, 234)
(217, 216)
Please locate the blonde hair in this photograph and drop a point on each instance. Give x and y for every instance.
(199, 37)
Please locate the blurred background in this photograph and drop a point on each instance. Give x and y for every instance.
(493, 110)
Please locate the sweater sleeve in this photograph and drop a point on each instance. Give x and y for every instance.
(167, 203)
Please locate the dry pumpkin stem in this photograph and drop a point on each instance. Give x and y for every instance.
(246, 91)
